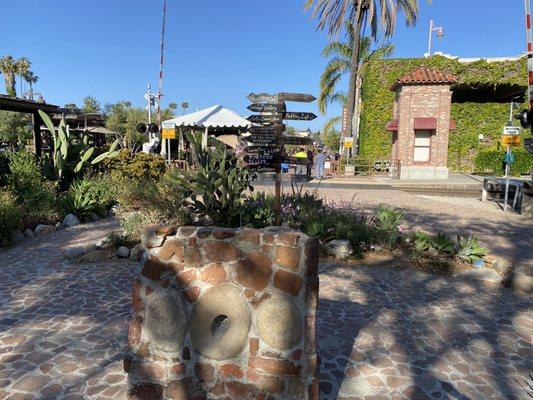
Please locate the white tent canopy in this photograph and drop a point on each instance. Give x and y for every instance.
(213, 117)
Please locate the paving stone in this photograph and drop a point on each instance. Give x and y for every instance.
(421, 335)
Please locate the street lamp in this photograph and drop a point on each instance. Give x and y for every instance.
(440, 35)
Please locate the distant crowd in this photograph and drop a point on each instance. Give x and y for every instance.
(308, 159)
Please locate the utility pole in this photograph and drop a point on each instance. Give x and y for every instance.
(440, 34)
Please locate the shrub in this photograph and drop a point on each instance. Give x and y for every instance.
(10, 214)
(469, 249)
(491, 162)
(37, 196)
(388, 221)
(133, 224)
(213, 191)
(117, 239)
(139, 166)
(79, 200)
(258, 210)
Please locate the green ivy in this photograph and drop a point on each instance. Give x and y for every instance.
(471, 118)
(491, 162)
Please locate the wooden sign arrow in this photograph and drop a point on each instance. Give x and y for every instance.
(276, 129)
(295, 161)
(261, 119)
(263, 139)
(262, 168)
(261, 159)
(263, 98)
(262, 151)
(266, 107)
(299, 97)
(296, 140)
(299, 116)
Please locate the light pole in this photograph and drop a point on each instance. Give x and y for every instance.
(440, 34)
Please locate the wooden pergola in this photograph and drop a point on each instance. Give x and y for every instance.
(15, 104)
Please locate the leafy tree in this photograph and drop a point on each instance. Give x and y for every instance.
(332, 15)
(14, 129)
(70, 106)
(91, 105)
(172, 106)
(331, 139)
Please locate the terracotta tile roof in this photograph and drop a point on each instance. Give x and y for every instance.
(425, 75)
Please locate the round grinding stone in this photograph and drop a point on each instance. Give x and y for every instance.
(279, 322)
(220, 322)
(165, 320)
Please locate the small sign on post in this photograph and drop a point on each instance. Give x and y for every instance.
(510, 140)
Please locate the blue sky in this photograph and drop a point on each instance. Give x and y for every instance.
(217, 52)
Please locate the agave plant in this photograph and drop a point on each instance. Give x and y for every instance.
(442, 244)
(80, 200)
(69, 158)
(469, 249)
(388, 221)
(421, 241)
(214, 189)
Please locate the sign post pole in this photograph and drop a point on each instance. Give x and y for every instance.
(507, 167)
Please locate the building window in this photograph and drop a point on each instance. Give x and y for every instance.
(422, 146)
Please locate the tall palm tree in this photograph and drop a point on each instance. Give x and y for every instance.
(340, 54)
(381, 15)
(184, 106)
(32, 79)
(9, 68)
(23, 67)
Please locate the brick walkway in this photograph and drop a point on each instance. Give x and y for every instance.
(382, 332)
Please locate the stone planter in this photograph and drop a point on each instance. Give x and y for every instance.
(221, 313)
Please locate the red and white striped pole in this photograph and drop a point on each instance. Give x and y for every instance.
(529, 54)
(160, 86)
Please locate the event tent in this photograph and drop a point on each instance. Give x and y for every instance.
(210, 118)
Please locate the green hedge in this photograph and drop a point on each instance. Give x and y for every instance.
(471, 118)
(491, 162)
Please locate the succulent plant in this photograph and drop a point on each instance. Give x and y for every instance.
(469, 249)
(69, 158)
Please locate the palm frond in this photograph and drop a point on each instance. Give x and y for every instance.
(331, 123)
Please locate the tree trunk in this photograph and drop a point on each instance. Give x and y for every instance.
(352, 90)
(10, 85)
(356, 115)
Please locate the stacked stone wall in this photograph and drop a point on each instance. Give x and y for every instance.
(224, 314)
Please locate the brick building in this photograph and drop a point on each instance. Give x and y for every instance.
(421, 124)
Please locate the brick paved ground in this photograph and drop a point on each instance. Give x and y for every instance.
(382, 332)
(507, 235)
(402, 334)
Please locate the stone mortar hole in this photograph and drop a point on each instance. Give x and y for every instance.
(220, 325)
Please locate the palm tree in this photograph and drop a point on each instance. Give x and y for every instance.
(9, 68)
(381, 15)
(340, 63)
(31, 78)
(23, 67)
(184, 106)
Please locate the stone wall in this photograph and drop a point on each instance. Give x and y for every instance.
(224, 314)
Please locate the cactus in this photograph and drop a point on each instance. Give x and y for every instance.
(68, 160)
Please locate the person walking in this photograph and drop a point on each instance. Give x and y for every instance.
(301, 155)
(310, 157)
(320, 161)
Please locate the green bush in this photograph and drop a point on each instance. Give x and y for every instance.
(133, 224)
(388, 221)
(491, 162)
(139, 166)
(37, 196)
(79, 200)
(469, 249)
(214, 190)
(258, 210)
(117, 239)
(10, 214)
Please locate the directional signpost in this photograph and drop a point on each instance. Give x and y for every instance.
(266, 139)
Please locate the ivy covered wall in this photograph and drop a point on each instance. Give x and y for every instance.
(475, 116)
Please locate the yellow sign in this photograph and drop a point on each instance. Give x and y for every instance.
(169, 134)
(510, 140)
(348, 143)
